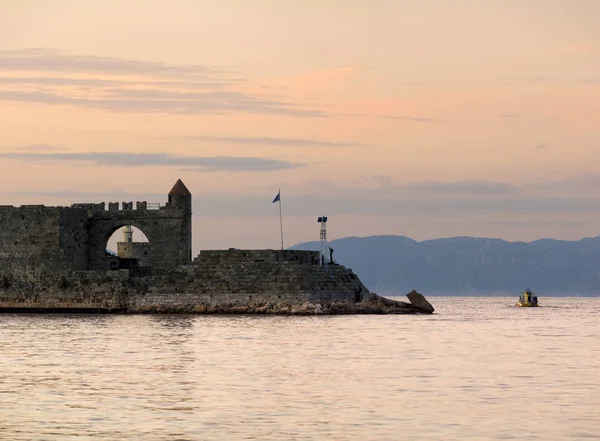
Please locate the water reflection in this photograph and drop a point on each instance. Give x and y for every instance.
(471, 371)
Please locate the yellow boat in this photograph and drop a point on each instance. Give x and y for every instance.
(528, 299)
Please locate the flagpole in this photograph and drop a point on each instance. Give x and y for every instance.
(280, 219)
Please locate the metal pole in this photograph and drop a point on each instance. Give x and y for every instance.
(280, 219)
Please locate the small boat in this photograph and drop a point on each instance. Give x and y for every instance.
(528, 299)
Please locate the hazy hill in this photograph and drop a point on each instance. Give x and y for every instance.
(469, 265)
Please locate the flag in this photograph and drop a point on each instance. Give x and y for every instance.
(277, 198)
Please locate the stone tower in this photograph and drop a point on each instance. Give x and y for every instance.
(180, 198)
(127, 234)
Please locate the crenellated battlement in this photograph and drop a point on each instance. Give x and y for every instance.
(122, 206)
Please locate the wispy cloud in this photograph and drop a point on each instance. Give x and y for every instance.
(468, 187)
(419, 119)
(444, 200)
(101, 82)
(48, 77)
(34, 148)
(49, 60)
(539, 79)
(554, 80)
(180, 103)
(408, 118)
(269, 141)
(234, 204)
(124, 159)
(386, 186)
(541, 146)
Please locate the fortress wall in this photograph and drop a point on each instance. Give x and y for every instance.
(29, 238)
(36, 238)
(249, 285)
(74, 238)
(235, 287)
(216, 257)
(90, 290)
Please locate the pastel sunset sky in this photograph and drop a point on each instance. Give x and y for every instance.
(427, 118)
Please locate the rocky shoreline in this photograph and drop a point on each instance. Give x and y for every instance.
(370, 303)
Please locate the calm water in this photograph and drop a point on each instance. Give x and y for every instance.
(477, 370)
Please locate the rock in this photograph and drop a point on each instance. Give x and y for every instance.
(419, 302)
(372, 304)
(304, 309)
(375, 304)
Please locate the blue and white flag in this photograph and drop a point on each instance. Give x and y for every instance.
(277, 198)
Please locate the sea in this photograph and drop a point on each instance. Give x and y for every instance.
(477, 369)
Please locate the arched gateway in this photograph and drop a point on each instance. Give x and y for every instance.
(168, 228)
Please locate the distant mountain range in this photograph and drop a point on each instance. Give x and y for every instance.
(469, 265)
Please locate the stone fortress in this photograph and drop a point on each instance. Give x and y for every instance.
(56, 259)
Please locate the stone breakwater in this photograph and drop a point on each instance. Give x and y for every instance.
(233, 281)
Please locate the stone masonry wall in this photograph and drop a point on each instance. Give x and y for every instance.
(93, 290)
(36, 239)
(141, 251)
(200, 287)
(29, 235)
(233, 255)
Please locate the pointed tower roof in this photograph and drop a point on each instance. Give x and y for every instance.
(179, 189)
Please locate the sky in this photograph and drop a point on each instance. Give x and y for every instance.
(426, 119)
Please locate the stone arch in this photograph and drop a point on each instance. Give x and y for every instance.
(102, 231)
(130, 254)
(168, 232)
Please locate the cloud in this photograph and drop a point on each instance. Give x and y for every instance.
(510, 115)
(49, 60)
(575, 185)
(509, 202)
(264, 140)
(98, 82)
(124, 159)
(529, 79)
(541, 146)
(421, 119)
(182, 103)
(48, 77)
(34, 148)
(409, 118)
(468, 187)
(554, 80)
(303, 204)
